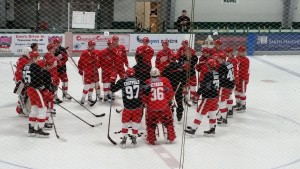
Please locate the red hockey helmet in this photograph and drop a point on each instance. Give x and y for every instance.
(130, 72)
(50, 46)
(34, 54)
(229, 49)
(205, 50)
(221, 55)
(218, 42)
(115, 38)
(56, 40)
(241, 49)
(185, 42)
(145, 39)
(91, 43)
(212, 63)
(166, 42)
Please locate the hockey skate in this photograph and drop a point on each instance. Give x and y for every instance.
(82, 101)
(219, 121)
(57, 101)
(41, 133)
(230, 114)
(190, 131)
(123, 142)
(31, 131)
(241, 109)
(67, 97)
(91, 101)
(223, 122)
(210, 132)
(48, 126)
(236, 106)
(99, 97)
(133, 141)
(53, 112)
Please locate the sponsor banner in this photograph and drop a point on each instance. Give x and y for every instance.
(80, 41)
(277, 42)
(204, 40)
(14, 43)
(156, 39)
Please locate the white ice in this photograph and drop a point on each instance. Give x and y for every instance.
(264, 137)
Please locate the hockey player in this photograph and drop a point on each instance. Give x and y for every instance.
(201, 65)
(158, 106)
(146, 51)
(88, 66)
(243, 73)
(182, 50)
(34, 47)
(39, 89)
(189, 59)
(217, 47)
(49, 57)
(209, 104)
(142, 70)
(231, 58)
(133, 111)
(226, 77)
(162, 57)
(62, 58)
(22, 106)
(121, 51)
(177, 75)
(109, 69)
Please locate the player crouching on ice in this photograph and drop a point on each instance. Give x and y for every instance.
(40, 92)
(158, 106)
(133, 106)
(209, 104)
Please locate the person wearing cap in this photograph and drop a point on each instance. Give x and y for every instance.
(162, 57)
(183, 22)
(145, 50)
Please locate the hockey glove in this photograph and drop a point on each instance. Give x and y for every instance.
(80, 72)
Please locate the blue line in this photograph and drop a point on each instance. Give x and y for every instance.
(278, 67)
(16, 165)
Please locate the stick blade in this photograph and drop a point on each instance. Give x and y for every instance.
(63, 139)
(100, 115)
(99, 124)
(111, 140)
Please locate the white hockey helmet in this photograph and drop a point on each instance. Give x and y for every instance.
(26, 51)
(154, 72)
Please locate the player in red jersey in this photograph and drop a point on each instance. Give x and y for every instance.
(146, 51)
(158, 106)
(88, 66)
(51, 59)
(23, 109)
(201, 67)
(231, 58)
(121, 51)
(108, 63)
(162, 57)
(182, 50)
(217, 47)
(243, 73)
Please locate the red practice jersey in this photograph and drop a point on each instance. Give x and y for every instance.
(162, 58)
(22, 61)
(121, 52)
(147, 52)
(182, 50)
(160, 95)
(88, 64)
(243, 68)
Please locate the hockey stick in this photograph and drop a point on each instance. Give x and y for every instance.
(57, 136)
(95, 125)
(96, 115)
(174, 104)
(108, 130)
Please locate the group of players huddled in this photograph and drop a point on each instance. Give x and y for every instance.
(161, 89)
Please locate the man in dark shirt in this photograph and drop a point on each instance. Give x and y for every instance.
(183, 22)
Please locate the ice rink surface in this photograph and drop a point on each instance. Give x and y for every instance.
(266, 136)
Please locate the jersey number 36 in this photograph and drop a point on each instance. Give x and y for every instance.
(157, 93)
